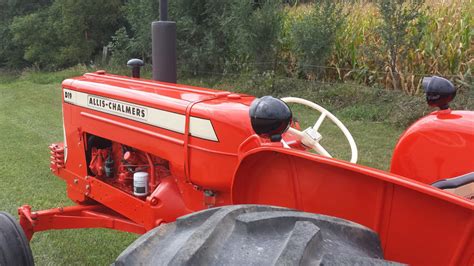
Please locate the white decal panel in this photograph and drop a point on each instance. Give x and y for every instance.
(117, 107)
(199, 127)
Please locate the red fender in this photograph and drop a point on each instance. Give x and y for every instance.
(417, 224)
(438, 146)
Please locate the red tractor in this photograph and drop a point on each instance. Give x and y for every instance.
(138, 154)
(197, 170)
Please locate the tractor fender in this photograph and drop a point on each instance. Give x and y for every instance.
(438, 146)
(390, 205)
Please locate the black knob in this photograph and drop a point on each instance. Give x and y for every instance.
(270, 117)
(135, 64)
(439, 91)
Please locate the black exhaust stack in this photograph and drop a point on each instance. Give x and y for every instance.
(163, 34)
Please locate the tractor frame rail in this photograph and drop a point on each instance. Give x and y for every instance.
(73, 217)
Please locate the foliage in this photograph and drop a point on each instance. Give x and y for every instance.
(444, 49)
(139, 15)
(393, 43)
(447, 48)
(401, 30)
(121, 47)
(356, 55)
(314, 35)
(11, 54)
(67, 32)
(202, 44)
(256, 32)
(38, 35)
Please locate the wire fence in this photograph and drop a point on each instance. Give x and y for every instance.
(276, 78)
(309, 66)
(362, 77)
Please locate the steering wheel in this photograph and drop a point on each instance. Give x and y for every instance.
(310, 137)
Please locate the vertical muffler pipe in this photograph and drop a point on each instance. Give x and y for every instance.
(163, 34)
(164, 10)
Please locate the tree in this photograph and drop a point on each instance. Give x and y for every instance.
(11, 55)
(38, 37)
(397, 18)
(211, 34)
(140, 14)
(256, 32)
(202, 43)
(314, 35)
(121, 47)
(67, 32)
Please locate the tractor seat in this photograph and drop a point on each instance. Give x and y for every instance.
(461, 185)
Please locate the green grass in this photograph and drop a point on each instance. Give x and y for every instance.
(30, 119)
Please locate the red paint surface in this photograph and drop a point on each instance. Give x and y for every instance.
(438, 146)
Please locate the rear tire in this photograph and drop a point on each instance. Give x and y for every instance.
(14, 246)
(255, 235)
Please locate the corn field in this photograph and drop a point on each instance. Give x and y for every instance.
(446, 47)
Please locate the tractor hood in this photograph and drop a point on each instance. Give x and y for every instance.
(166, 105)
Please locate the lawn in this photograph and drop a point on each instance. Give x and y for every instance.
(30, 119)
